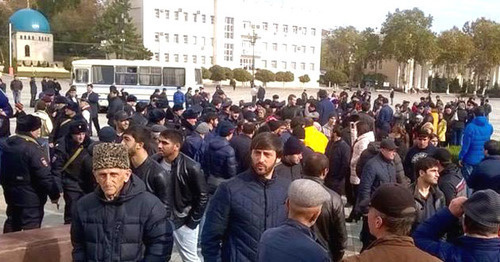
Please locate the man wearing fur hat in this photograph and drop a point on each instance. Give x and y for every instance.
(120, 220)
(72, 164)
(25, 177)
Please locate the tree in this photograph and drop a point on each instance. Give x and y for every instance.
(336, 77)
(117, 33)
(368, 51)
(205, 73)
(407, 35)
(242, 75)
(265, 76)
(304, 79)
(218, 73)
(338, 49)
(228, 73)
(284, 77)
(455, 50)
(289, 76)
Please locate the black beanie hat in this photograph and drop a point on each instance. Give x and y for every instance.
(28, 123)
(293, 146)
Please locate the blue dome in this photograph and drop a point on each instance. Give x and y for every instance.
(29, 20)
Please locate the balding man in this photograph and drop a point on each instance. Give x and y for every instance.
(294, 240)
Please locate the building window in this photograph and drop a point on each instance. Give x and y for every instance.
(265, 26)
(264, 46)
(167, 14)
(176, 38)
(304, 49)
(313, 31)
(275, 28)
(228, 52)
(284, 47)
(195, 59)
(212, 60)
(294, 65)
(312, 49)
(157, 56)
(203, 60)
(229, 28)
(195, 40)
(185, 39)
(212, 19)
(157, 13)
(302, 66)
(203, 41)
(195, 18)
(285, 29)
(274, 64)
(311, 66)
(264, 63)
(176, 58)
(167, 57)
(167, 37)
(157, 37)
(27, 51)
(186, 16)
(304, 30)
(294, 29)
(203, 19)
(275, 47)
(283, 64)
(185, 58)
(176, 15)
(294, 47)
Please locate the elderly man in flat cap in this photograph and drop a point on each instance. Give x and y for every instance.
(481, 224)
(294, 240)
(120, 220)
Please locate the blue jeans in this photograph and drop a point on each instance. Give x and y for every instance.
(467, 172)
(17, 96)
(457, 139)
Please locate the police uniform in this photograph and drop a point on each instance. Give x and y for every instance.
(72, 164)
(26, 177)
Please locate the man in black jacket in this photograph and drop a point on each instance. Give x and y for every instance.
(241, 145)
(245, 206)
(292, 109)
(120, 220)
(93, 99)
(291, 166)
(339, 154)
(486, 174)
(72, 164)
(25, 177)
(190, 193)
(138, 118)
(420, 150)
(137, 139)
(33, 91)
(115, 105)
(330, 226)
(71, 113)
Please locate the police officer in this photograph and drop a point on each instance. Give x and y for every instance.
(25, 177)
(72, 164)
(71, 112)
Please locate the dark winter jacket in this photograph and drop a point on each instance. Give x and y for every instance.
(239, 212)
(189, 190)
(241, 145)
(451, 182)
(413, 155)
(157, 180)
(292, 241)
(194, 147)
(426, 210)
(462, 118)
(261, 93)
(288, 170)
(429, 234)
(132, 227)
(324, 108)
(376, 172)
(33, 88)
(187, 128)
(115, 104)
(93, 99)
(476, 134)
(289, 112)
(330, 226)
(16, 85)
(220, 161)
(486, 175)
(138, 119)
(367, 118)
(179, 98)
(25, 173)
(339, 156)
(384, 118)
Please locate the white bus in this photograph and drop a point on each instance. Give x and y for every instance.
(136, 77)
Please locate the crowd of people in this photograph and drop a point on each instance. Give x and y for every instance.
(258, 180)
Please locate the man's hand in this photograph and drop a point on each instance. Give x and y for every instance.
(456, 206)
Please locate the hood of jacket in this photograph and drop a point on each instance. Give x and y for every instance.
(480, 120)
(132, 188)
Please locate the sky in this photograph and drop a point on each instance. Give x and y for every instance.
(370, 13)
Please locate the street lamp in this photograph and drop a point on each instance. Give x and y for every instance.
(253, 39)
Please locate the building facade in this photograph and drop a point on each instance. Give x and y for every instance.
(231, 33)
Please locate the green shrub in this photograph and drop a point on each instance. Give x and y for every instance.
(454, 151)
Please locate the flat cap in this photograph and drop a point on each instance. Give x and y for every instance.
(484, 207)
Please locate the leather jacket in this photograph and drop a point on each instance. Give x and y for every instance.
(157, 180)
(189, 191)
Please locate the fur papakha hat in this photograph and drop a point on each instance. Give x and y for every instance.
(110, 155)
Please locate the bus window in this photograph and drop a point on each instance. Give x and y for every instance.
(81, 76)
(102, 75)
(126, 75)
(174, 76)
(197, 76)
(150, 76)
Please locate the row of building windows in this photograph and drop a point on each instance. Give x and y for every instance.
(179, 15)
(284, 47)
(185, 39)
(284, 28)
(31, 37)
(177, 58)
(284, 65)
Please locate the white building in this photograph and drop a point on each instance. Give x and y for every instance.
(208, 32)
